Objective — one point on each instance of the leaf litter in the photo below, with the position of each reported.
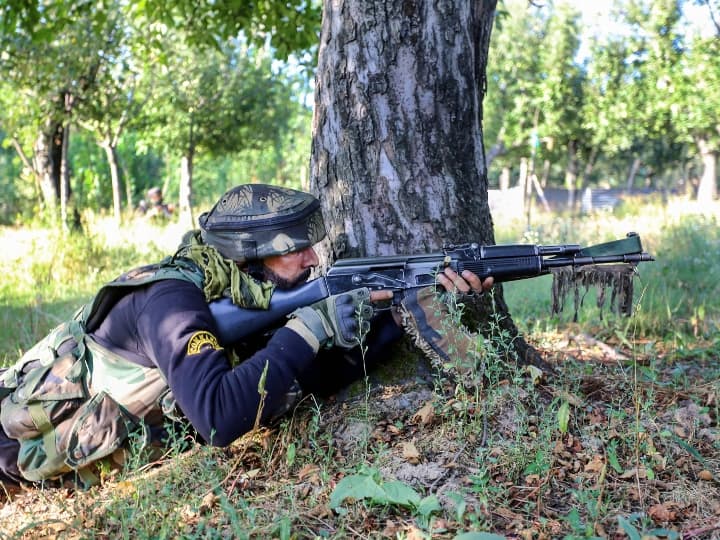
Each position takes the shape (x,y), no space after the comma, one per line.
(640,453)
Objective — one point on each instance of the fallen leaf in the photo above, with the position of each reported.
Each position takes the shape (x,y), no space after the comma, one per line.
(572,399)
(507,514)
(662,513)
(532,479)
(252,473)
(596,464)
(391,529)
(308,470)
(641,472)
(705,475)
(536,374)
(425,415)
(207,503)
(413,533)
(440,525)
(410,452)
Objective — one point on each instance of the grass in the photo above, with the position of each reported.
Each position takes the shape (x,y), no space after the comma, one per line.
(623,441)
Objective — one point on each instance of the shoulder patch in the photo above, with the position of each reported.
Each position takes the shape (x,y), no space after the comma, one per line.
(202,339)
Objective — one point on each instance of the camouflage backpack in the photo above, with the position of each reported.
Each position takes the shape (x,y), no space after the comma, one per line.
(71,402)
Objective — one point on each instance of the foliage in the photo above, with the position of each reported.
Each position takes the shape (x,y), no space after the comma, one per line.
(368,485)
(293,25)
(216,101)
(557,91)
(98,66)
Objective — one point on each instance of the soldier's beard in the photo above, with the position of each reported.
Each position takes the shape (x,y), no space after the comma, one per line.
(259,271)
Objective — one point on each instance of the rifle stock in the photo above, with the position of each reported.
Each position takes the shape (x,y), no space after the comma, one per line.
(398,273)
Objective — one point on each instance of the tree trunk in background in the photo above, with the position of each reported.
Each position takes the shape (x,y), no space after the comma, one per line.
(128,185)
(545,173)
(524,182)
(185,192)
(582,180)
(397,153)
(505,178)
(631,175)
(571,174)
(111,154)
(64,178)
(707,190)
(47,154)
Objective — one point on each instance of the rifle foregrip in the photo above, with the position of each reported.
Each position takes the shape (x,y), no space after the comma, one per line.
(504,269)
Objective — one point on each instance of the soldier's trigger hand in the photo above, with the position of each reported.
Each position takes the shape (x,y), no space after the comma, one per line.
(379,296)
(467,283)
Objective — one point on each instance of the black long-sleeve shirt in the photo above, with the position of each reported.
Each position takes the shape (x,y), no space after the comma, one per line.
(166,324)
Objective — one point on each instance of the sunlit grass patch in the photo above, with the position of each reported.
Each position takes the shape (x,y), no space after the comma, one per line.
(677,297)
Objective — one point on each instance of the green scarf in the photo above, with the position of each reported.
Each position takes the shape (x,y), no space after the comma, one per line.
(223,277)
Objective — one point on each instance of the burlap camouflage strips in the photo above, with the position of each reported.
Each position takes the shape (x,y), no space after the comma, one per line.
(449,346)
(255,221)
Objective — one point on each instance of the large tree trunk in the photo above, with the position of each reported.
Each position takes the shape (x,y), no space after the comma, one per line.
(707,190)
(111,154)
(397,154)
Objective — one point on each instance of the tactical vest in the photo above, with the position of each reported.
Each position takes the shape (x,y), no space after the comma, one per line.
(70,401)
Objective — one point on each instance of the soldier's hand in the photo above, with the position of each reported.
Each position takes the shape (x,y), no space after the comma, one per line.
(467,283)
(339,319)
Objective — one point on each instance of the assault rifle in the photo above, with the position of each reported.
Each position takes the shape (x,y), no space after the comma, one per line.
(399,273)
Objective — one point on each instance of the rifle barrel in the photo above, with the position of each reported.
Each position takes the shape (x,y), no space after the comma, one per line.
(603,259)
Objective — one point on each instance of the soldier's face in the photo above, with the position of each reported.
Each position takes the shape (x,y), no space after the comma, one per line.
(291,269)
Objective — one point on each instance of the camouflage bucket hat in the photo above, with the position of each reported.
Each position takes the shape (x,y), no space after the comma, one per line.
(254,221)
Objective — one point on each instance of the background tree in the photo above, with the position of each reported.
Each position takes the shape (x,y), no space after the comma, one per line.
(54,41)
(512,76)
(214,101)
(695,108)
(44,84)
(560,85)
(397,154)
(124,82)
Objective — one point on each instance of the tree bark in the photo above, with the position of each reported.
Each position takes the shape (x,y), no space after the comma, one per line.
(505,178)
(397,153)
(571,174)
(47,155)
(111,154)
(631,175)
(185,191)
(707,189)
(64,179)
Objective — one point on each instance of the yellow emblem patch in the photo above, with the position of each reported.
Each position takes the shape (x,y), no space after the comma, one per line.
(201,339)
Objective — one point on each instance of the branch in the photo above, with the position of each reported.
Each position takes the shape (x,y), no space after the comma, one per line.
(23,156)
(712,15)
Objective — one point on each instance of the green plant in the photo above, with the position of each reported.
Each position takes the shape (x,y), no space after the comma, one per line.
(638,526)
(368,486)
